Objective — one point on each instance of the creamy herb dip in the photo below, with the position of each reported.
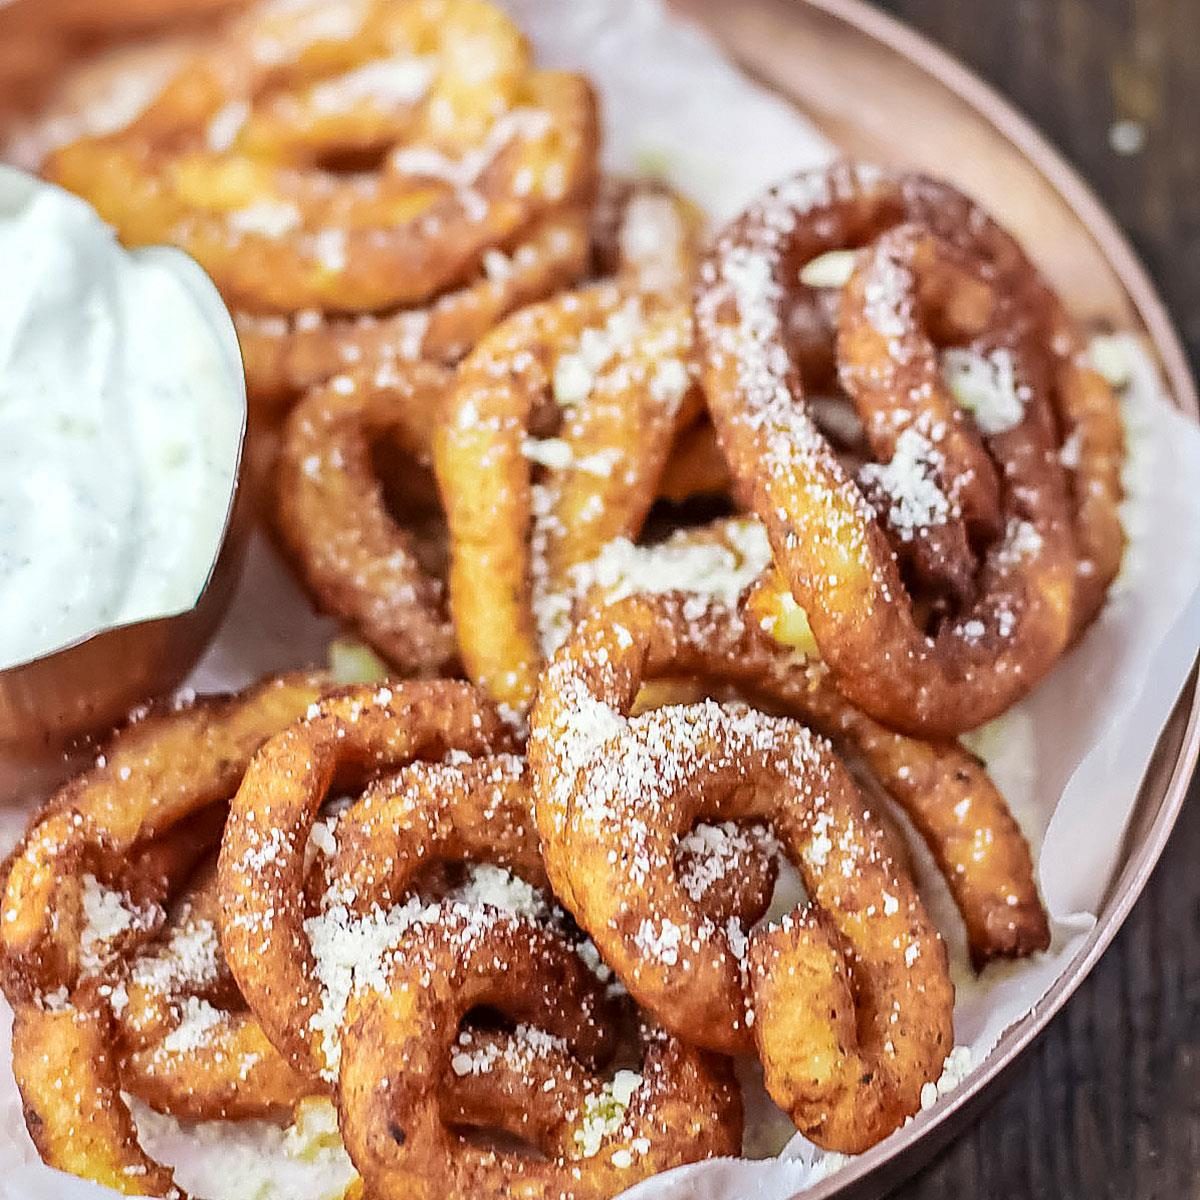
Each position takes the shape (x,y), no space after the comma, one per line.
(122,408)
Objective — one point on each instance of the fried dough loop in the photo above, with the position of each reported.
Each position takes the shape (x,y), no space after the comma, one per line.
(281,918)
(86,889)
(357,560)
(614,794)
(360,562)
(978,506)
(513,540)
(605,372)
(363,179)
(190,1047)
(286,354)
(1092,452)
(262,866)
(369,867)
(407,824)
(597,1139)
(481,811)
(111,825)
(233,154)
(90,1131)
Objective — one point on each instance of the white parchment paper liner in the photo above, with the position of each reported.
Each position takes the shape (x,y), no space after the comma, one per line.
(1070,759)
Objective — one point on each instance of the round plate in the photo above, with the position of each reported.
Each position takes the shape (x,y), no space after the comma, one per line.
(882,92)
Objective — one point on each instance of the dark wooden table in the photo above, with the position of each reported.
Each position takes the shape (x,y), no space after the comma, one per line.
(1107,1104)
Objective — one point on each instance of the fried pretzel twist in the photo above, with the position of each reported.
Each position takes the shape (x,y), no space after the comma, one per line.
(613,794)
(606,372)
(230,1071)
(358,183)
(236,152)
(357,560)
(719,642)
(977,508)
(683,1106)
(121,839)
(286,354)
(351,736)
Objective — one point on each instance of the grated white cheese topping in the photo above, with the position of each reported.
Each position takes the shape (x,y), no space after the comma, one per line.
(351,951)
(829,270)
(715,570)
(575,373)
(387,83)
(553,453)
(1109,356)
(955,1069)
(917,502)
(199,1020)
(226,125)
(500,888)
(57,1001)
(719,851)
(462,173)
(660,943)
(604,1112)
(987,386)
(517,1052)
(192,955)
(268,218)
(106,914)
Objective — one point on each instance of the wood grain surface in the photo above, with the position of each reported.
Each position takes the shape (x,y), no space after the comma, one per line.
(1107,1104)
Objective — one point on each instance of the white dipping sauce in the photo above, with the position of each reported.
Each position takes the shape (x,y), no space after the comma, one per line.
(122,411)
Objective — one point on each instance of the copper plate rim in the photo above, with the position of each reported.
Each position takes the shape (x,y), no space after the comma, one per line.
(1151,310)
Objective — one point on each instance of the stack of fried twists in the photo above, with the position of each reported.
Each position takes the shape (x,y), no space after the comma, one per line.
(730,543)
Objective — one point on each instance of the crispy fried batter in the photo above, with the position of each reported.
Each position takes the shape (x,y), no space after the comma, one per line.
(948,795)
(234,1073)
(934,270)
(482,811)
(287,354)
(513,541)
(164,768)
(734,653)
(237,160)
(1092,451)
(646,236)
(428,813)
(226,1068)
(356,560)
(612,797)
(308,892)
(126,835)
(87,21)
(356,734)
(84,1128)
(684,1106)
